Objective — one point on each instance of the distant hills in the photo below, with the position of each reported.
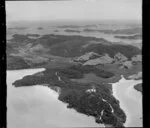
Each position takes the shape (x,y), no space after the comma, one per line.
(136,30)
(48,47)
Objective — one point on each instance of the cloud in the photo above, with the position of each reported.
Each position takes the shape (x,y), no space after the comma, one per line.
(74,10)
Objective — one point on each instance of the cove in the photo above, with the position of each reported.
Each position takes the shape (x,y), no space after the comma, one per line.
(130,101)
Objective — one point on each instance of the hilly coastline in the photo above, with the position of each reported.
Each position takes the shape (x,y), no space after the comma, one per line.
(72,57)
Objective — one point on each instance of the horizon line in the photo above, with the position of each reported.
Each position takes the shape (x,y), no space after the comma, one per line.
(73,20)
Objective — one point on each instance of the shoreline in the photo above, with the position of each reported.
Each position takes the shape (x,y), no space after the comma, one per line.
(122,106)
(127,92)
(69,111)
(68,95)
(41,69)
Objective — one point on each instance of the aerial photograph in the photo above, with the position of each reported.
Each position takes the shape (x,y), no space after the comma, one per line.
(74,63)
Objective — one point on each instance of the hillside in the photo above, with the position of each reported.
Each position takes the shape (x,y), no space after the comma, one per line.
(72,57)
(47,48)
(76,94)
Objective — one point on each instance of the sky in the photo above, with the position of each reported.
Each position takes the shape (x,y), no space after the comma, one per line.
(74,10)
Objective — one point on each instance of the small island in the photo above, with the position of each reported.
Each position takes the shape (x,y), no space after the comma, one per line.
(71,30)
(33,35)
(131,37)
(138,87)
(128,31)
(69,26)
(56,30)
(18,28)
(40,28)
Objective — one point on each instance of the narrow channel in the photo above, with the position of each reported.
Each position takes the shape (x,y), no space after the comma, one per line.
(130,101)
